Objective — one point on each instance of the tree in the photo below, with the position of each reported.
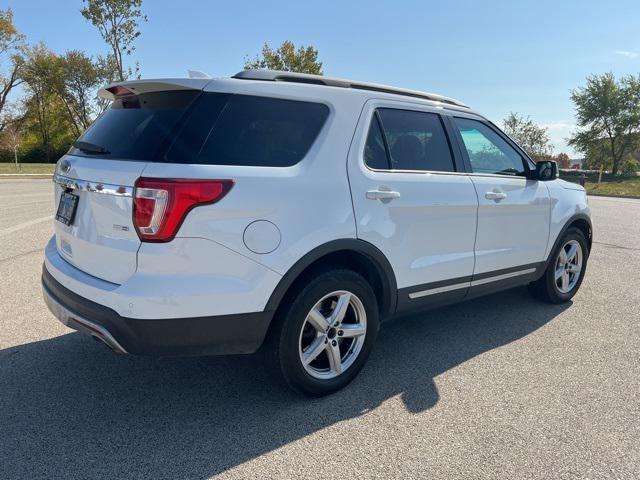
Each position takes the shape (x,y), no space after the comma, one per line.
(532,138)
(11,135)
(607,111)
(42,72)
(118,22)
(563,160)
(11,42)
(79,79)
(287,58)
(107,72)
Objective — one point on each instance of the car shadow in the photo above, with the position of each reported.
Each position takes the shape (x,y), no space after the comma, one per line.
(71,408)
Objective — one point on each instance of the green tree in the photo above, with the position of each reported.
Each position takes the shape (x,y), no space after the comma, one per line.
(11,61)
(287,58)
(532,138)
(80,78)
(607,112)
(42,72)
(118,21)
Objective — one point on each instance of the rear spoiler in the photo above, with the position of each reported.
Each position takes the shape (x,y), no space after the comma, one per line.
(135,87)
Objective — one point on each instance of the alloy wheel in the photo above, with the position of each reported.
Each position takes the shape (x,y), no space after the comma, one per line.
(568,266)
(332,335)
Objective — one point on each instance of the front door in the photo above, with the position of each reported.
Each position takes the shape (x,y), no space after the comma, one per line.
(514,212)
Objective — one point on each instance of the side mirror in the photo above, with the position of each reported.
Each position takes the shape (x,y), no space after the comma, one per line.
(545,170)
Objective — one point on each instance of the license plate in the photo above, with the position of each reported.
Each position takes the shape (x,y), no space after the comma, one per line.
(67,208)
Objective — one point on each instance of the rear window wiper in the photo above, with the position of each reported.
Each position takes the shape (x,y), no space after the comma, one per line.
(88,147)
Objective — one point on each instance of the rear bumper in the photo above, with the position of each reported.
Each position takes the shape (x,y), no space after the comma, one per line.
(217,335)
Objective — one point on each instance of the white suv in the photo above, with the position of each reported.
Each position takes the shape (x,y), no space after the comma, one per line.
(295,213)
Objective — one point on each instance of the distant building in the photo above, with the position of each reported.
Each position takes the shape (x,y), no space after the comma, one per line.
(576,163)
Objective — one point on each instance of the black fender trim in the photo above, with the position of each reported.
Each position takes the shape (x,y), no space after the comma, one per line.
(378,259)
(567,225)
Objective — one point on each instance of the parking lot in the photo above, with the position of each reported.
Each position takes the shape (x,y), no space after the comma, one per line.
(499,387)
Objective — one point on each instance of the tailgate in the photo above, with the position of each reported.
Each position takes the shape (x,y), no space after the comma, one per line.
(97,177)
(101,240)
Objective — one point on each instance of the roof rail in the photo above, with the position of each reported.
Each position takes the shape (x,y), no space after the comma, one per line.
(278,76)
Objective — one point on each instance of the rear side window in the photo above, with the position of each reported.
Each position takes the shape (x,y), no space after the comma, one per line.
(248,130)
(414,141)
(375,155)
(136,127)
(189,126)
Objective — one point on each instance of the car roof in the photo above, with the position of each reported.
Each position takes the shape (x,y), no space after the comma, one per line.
(318,83)
(321,80)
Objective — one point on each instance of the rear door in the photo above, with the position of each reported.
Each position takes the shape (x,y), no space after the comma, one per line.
(412,202)
(513,213)
(94,182)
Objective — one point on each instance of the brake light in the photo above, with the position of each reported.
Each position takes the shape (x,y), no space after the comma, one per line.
(120,91)
(160,205)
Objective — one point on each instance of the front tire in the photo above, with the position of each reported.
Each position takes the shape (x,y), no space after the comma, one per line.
(324,332)
(566,269)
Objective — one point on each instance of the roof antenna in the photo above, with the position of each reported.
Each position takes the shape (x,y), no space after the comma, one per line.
(197,74)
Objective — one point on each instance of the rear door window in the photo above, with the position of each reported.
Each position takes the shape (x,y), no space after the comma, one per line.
(249,131)
(414,141)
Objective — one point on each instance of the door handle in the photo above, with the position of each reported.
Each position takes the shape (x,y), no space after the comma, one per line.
(382,194)
(496,196)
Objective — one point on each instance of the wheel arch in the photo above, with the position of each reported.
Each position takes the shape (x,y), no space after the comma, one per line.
(580,221)
(355,254)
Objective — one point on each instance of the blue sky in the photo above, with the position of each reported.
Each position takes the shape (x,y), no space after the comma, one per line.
(495,56)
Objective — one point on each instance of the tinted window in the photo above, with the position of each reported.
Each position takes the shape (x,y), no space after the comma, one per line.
(488,151)
(416,140)
(248,130)
(375,155)
(137,126)
(196,127)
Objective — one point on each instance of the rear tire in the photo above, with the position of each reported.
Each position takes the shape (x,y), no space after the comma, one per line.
(565,272)
(323,332)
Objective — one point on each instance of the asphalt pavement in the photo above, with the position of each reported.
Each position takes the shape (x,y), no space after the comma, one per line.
(500,387)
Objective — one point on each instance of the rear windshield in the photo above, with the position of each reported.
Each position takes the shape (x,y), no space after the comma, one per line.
(137,126)
(208,128)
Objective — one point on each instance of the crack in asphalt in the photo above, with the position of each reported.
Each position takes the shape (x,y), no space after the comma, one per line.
(24,254)
(618,246)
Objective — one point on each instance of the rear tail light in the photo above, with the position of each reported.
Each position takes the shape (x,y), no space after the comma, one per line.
(160,205)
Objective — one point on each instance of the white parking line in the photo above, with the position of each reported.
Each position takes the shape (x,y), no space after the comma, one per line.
(20,226)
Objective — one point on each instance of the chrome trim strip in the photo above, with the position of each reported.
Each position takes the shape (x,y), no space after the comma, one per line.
(433,291)
(71,320)
(504,276)
(95,187)
(447,288)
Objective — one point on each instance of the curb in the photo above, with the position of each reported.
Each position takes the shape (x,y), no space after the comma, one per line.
(635,197)
(14,176)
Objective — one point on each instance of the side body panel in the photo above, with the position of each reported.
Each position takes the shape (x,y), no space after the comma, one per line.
(297,208)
